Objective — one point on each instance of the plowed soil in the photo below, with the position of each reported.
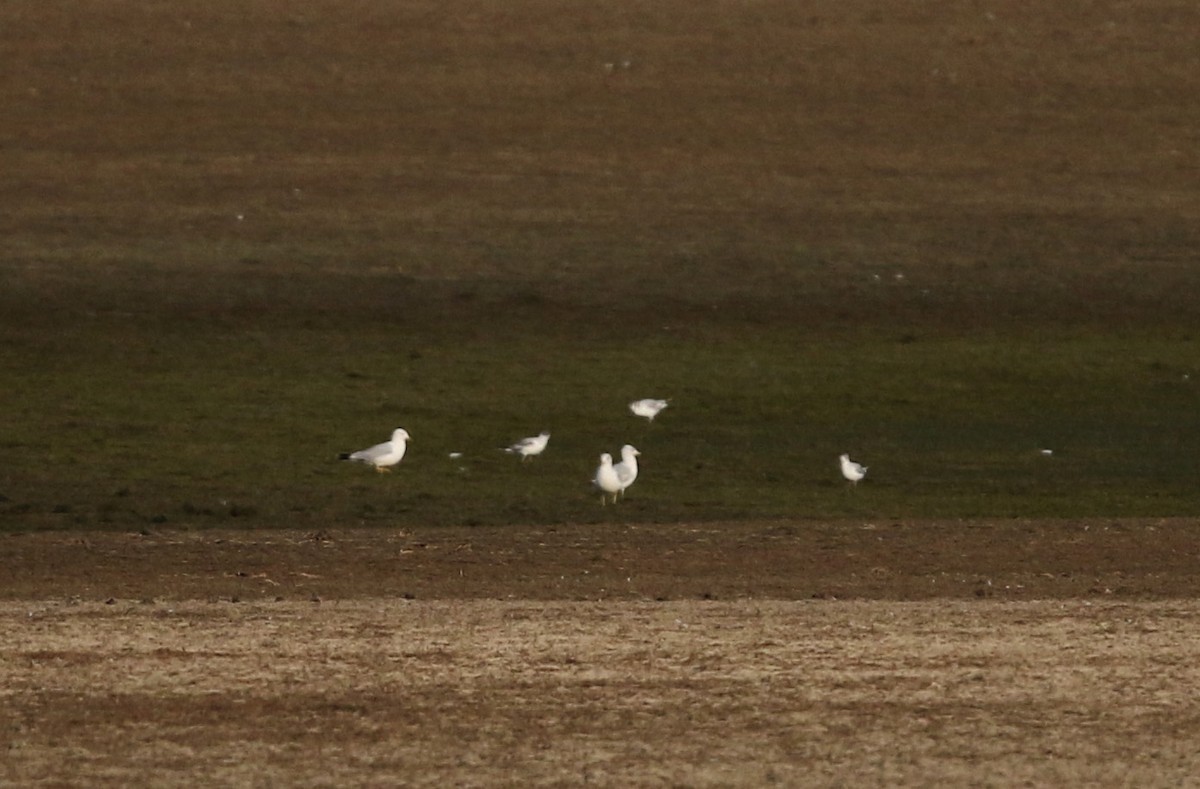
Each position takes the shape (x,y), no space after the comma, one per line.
(739,654)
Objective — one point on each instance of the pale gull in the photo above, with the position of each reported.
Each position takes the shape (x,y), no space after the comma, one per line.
(382,456)
(647,407)
(852,471)
(606,479)
(627,469)
(529,447)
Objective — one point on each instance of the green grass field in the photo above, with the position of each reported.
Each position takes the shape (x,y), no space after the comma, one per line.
(116,425)
(239,243)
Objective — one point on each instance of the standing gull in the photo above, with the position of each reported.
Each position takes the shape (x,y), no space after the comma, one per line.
(647,407)
(627,469)
(606,479)
(851,470)
(529,447)
(382,456)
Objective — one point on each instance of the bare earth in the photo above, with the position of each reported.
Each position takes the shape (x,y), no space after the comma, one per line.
(740,654)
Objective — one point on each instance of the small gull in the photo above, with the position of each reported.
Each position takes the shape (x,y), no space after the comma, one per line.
(627,469)
(382,456)
(529,447)
(851,470)
(606,479)
(647,407)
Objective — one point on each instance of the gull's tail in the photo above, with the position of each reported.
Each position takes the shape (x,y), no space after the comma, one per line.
(343,456)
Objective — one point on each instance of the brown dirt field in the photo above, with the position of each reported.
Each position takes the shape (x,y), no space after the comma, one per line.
(686,693)
(789,560)
(1027,160)
(969,653)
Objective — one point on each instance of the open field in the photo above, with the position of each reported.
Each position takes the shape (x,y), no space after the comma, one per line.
(237,239)
(1031,161)
(470,693)
(1038,653)
(126,429)
(240,240)
(1016,560)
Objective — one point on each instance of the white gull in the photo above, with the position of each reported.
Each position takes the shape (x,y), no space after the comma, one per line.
(606,479)
(382,456)
(852,471)
(647,407)
(627,469)
(529,447)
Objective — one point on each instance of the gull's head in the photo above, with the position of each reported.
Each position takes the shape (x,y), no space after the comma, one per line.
(605,459)
(629,450)
(844,458)
(400,434)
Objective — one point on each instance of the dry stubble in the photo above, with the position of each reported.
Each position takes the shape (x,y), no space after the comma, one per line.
(612,693)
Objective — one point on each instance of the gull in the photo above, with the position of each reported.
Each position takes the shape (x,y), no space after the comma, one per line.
(627,469)
(851,470)
(382,456)
(606,479)
(529,447)
(647,407)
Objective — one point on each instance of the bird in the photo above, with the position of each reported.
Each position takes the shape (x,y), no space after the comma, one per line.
(852,471)
(529,447)
(627,469)
(606,479)
(382,456)
(647,407)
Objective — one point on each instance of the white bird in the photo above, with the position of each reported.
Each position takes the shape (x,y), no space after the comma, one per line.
(606,479)
(851,470)
(627,469)
(647,407)
(382,456)
(529,447)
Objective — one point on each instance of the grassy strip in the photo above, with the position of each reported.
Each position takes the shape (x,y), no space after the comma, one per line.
(204,425)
